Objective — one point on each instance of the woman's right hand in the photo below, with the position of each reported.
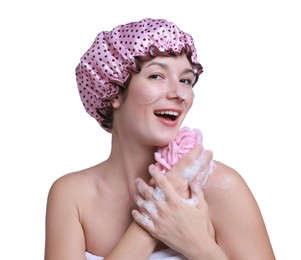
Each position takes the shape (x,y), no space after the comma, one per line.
(199,161)
(164,212)
(185,228)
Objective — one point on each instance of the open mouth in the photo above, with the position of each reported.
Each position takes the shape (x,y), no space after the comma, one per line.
(169,115)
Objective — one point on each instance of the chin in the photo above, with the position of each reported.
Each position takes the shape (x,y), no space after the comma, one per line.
(166,138)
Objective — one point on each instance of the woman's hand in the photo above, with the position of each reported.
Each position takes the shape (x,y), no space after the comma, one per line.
(164,213)
(192,169)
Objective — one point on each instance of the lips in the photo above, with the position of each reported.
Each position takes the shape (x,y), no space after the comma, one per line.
(167,114)
(168,117)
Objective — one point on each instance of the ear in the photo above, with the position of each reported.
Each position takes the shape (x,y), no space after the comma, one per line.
(115,101)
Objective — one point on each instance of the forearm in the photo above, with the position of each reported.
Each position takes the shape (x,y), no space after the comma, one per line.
(210,251)
(136,243)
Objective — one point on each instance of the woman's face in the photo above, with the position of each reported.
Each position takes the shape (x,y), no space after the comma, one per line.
(157,100)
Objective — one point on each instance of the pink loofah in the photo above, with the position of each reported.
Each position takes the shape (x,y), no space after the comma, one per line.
(183,143)
(185,140)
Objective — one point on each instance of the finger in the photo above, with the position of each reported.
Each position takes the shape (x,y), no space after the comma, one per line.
(206,168)
(163,186)
(201,204)
(159,194)
(139,201)
(152,182)
(143,219)
(178,182)
(188,161)
(200,166)
(144,189)
(145,205)
(150,207)
(206,157)
(197,196)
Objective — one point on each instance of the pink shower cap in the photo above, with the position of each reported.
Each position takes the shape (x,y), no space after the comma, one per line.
(111,59)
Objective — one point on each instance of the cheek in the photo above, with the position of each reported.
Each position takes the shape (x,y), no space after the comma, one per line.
(190,98)
(147,97)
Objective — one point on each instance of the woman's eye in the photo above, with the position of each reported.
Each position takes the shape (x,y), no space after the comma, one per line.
(186,81)
(155,76)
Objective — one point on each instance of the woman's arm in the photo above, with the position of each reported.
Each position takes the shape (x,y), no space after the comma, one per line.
(239,226)
(65,237)
(136,243)
(64,234)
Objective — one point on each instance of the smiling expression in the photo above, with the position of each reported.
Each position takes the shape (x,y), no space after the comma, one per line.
(158,99)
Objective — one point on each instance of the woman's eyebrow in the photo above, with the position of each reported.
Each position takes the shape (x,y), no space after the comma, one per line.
(155,63)
(189,71)
(165,66)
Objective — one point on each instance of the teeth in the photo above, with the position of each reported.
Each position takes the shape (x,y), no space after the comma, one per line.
(172,113)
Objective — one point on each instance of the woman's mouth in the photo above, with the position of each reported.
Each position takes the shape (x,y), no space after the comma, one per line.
(167,114)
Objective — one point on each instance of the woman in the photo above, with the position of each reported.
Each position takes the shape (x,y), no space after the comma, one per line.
(136,81)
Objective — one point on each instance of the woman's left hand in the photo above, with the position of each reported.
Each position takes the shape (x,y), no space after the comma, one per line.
(163,213)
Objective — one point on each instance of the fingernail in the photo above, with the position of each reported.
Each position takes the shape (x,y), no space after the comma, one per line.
(151,169)
(137,181)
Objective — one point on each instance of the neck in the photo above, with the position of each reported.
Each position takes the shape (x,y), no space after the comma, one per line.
(127,161)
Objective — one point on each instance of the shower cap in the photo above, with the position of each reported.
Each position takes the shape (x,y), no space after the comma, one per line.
(107,65)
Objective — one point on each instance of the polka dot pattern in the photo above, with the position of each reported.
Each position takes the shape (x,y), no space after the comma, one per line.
(107,62)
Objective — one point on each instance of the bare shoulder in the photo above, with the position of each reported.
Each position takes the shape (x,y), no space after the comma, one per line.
(236,217)
(223,179)
(72,187)
(227,192)
(64,214)
(70,182)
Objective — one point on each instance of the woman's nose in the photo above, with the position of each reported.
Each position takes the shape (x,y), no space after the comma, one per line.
(177,91)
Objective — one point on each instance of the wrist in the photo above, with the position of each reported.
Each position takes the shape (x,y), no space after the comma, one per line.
(144,235)
(208,251)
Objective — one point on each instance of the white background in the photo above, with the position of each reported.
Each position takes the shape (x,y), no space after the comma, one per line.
(247,103)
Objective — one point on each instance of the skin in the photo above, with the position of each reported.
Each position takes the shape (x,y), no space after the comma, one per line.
(95,209)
